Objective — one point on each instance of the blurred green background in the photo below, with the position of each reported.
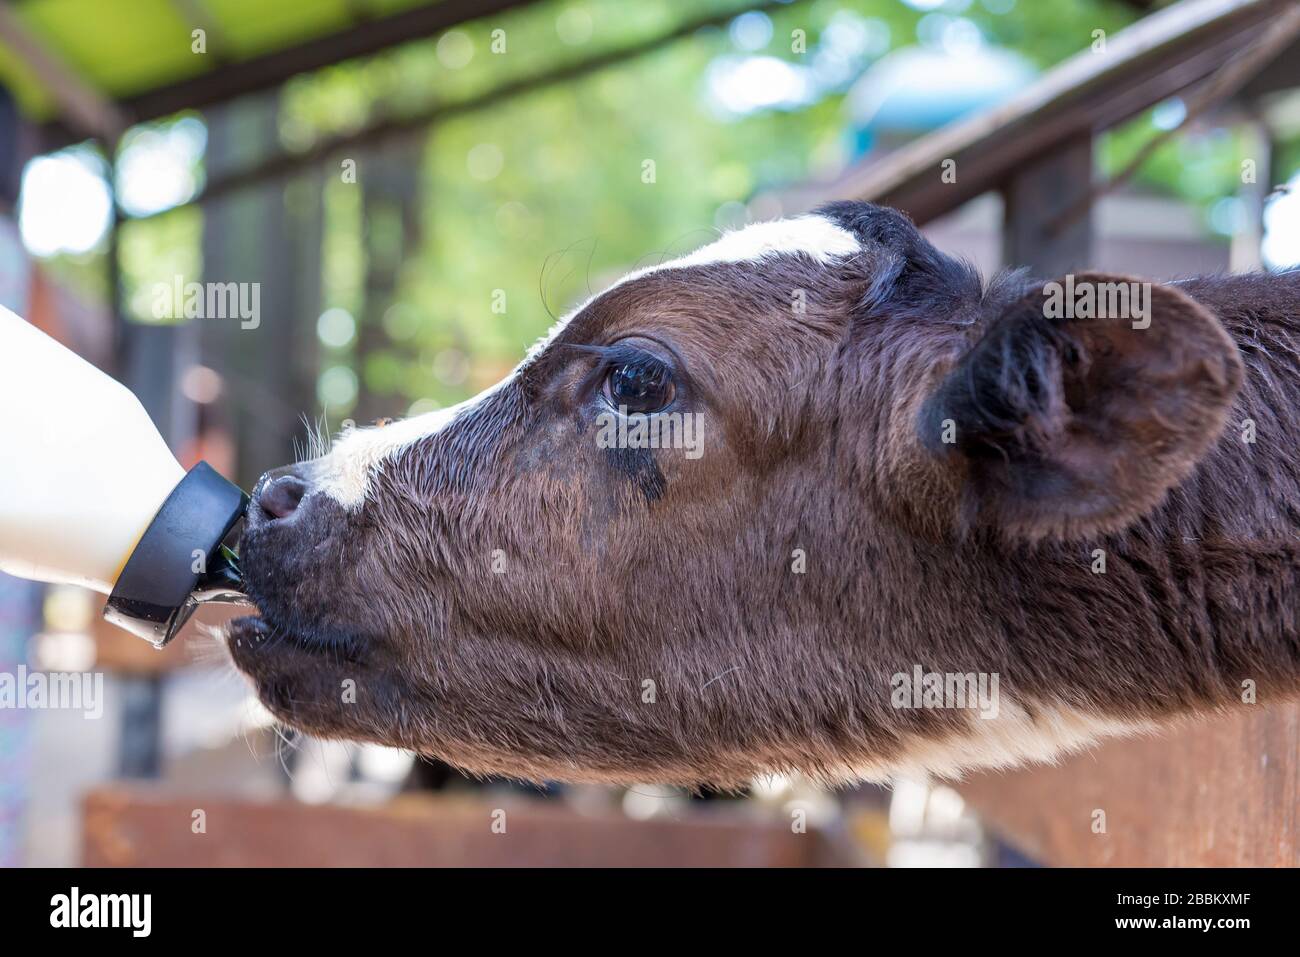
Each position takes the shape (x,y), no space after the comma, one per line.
(502,214)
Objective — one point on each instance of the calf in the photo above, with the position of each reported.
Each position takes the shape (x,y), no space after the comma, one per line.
(921,524)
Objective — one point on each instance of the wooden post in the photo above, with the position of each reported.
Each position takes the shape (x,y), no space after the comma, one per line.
(1035,198)
(255,237)
(390,181)
(1253,194)
(149,827)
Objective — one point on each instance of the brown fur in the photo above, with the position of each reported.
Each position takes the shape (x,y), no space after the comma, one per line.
(821,437)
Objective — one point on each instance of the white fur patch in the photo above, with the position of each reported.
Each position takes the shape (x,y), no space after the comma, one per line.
(344,474)
(1011,739)
(814,236)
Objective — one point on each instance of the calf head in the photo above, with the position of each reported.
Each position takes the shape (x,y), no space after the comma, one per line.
(870,468)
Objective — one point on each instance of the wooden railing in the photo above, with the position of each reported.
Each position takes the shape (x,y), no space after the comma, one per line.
(1218,791)
(135,826)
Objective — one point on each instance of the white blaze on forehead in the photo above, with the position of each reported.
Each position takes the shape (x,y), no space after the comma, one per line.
(344,474)
(814,236)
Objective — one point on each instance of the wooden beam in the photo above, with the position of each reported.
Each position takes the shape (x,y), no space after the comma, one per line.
(1158,57)
(398,127)
(265,72)
(139,826)
(1282,74)
(197,16)
(1226,81)
(80,105)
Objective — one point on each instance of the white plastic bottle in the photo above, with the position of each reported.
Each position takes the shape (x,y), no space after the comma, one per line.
(85,471)
(84,474)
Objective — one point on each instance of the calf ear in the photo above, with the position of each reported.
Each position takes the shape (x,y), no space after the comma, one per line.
(1067,419)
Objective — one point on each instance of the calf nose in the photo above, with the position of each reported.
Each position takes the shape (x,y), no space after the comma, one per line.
(278,497)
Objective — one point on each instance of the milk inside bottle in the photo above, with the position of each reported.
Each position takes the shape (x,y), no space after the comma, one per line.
(90,494)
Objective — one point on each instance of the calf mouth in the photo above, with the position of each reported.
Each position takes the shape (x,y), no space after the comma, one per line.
(289,548)
(300,651)
(274,662)
(303,683)
(276,638)
(268,634)
(259,635)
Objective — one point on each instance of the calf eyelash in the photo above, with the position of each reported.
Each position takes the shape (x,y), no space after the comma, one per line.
(621,353)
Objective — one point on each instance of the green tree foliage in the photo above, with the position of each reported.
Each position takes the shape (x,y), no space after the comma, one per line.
(534,202)
(531,203)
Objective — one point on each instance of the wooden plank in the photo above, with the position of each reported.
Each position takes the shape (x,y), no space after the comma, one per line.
(137,826)
(1219,791)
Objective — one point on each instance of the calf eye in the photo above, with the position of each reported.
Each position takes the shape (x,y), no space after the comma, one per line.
(639,387)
